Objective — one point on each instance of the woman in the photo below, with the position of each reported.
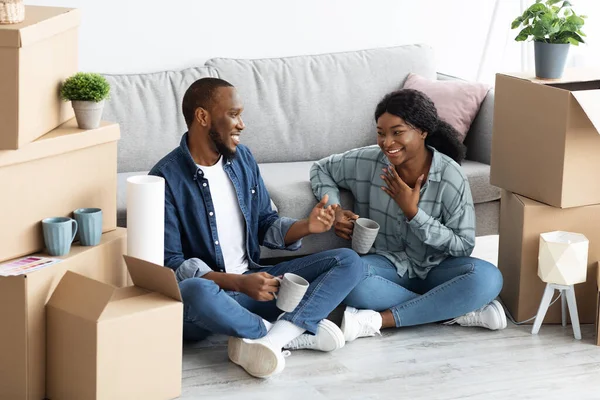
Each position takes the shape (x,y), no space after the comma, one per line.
(419,268)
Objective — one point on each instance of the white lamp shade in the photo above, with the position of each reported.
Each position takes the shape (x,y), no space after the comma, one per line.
(563,258)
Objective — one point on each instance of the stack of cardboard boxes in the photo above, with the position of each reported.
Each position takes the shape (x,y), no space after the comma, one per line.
(48,168)
(545,155)
(66,331)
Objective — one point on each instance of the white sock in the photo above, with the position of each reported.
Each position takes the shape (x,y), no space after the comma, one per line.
(267,324)
(282,333)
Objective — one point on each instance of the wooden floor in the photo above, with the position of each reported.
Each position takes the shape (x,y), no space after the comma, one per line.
(434,362)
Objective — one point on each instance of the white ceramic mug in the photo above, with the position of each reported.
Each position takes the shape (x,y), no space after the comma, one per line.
(292,289)
(364,235)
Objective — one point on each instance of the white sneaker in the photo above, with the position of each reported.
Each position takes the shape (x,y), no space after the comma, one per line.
(360,323)
(491,316)
(328,338)
(258,357)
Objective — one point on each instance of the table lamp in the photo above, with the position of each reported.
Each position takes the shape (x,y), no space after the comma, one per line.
(562,263)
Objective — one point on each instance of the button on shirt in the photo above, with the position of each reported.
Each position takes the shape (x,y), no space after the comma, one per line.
(231,227)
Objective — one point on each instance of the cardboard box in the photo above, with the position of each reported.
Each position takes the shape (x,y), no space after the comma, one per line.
(23,314)
(546,139)
(36,56)
(109,343)
(64,170)
(522,220)
(598,308)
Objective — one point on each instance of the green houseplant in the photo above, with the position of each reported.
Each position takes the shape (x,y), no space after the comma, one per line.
(553,28)
(87,92)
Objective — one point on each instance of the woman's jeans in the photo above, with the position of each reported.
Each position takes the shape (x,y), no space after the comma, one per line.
(209,309)
(455,287)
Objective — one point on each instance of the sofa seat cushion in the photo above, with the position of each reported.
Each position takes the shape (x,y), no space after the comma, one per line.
(479,180)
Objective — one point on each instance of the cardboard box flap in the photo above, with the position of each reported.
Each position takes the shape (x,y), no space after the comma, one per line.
(153,277)
(598,275)
(67,137)
(81,296)
(589,100)
(40,22)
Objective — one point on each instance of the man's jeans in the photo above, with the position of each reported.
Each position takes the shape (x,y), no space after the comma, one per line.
(455,287)
(208,309)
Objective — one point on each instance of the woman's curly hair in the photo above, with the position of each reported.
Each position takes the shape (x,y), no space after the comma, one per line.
(417,110)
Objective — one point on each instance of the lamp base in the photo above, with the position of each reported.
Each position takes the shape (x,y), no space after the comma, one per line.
(567,293)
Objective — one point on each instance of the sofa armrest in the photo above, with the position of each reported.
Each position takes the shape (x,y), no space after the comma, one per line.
(479,137)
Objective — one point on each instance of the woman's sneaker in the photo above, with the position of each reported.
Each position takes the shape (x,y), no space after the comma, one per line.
(490,316)
(360,323)
(258,357)
(328,338)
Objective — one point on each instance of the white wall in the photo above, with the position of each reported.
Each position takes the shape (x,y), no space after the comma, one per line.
(131,36)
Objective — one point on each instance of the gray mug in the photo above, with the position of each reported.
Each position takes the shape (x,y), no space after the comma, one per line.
(90,225)
(59,233)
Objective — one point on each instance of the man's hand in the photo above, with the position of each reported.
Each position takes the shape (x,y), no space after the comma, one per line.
(344,222)
(321,218)
(406,197)
(260,286)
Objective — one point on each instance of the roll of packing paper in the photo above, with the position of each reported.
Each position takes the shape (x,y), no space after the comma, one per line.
(146,218)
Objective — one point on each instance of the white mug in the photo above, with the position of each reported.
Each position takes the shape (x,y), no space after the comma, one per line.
(292,289)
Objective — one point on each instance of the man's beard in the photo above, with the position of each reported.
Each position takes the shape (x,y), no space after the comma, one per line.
(220,145)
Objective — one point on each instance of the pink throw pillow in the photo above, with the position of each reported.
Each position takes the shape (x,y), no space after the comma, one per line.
(457,102)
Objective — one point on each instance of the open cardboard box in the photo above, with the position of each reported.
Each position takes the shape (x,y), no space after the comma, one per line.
(36,55)
(522,220)
(23,313)
(116,343)
(546,139)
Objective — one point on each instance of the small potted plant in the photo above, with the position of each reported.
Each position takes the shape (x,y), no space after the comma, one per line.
(553,28)
(87,92)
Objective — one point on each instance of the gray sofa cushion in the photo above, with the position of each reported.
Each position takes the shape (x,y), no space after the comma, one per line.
(305,108)
(479,180)
(148,110)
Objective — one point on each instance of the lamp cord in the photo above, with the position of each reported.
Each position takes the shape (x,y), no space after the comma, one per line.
(510,317)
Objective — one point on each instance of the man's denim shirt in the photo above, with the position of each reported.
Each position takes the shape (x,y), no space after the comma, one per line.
(192,246)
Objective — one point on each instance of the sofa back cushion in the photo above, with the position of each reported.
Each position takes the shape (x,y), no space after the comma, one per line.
(307,107)
(148,110)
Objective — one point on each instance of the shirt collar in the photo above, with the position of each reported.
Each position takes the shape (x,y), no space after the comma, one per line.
(194,169)
(435,172)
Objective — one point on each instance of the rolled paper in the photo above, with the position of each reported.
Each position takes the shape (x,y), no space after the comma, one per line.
(146,218)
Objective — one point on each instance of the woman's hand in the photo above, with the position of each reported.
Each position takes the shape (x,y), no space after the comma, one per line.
(406,197)
(344,222)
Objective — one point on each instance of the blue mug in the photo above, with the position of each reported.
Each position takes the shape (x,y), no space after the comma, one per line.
(59,233)
(90,225)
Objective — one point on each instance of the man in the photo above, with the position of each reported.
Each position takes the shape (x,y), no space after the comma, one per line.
(217,214)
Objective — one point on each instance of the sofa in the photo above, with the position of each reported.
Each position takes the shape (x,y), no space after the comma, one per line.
(297,110)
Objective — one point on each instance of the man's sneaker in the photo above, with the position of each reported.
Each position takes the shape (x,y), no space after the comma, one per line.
(258,357)
(328,338)
(491,316)
(360,323)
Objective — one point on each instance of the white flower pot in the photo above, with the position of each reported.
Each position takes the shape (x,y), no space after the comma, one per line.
(88,113)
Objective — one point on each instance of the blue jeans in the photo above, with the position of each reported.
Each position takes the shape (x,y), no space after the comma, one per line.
(456,286)
(209,309)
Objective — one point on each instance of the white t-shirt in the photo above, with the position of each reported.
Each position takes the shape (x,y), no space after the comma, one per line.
(231,226)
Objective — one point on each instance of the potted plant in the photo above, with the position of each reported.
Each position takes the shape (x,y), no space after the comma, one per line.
(87,92)
(553,28)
